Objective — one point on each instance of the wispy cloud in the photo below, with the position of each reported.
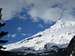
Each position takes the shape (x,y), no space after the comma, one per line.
(10,7)
(45,9)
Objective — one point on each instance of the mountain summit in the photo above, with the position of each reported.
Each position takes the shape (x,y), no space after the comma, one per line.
(59,35)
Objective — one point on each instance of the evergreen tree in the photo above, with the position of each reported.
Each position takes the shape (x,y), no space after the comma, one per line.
(71,47)
(2,33)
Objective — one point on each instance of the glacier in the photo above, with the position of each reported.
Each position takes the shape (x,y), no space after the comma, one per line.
(60,35)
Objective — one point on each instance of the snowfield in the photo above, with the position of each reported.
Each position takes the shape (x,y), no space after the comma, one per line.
(60,35)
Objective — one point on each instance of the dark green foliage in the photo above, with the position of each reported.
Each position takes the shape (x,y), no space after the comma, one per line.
(2,24)
(3,41)
(71,47)
(2,33)
(0,13)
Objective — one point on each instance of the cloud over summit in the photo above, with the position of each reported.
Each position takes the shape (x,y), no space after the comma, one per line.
(45,9)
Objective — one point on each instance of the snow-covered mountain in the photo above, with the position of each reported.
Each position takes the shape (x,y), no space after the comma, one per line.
(58,35)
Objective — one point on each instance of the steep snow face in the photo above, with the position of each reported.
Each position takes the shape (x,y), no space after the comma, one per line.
(59,35)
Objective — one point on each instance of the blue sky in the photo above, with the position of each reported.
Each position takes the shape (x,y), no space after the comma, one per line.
(19,28)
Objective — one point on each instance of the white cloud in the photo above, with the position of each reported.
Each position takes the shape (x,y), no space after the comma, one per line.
(44,10)
(24,34)
(52,14)
(13,35)
(19,28)
(39,8)
(9,7)
(41,25)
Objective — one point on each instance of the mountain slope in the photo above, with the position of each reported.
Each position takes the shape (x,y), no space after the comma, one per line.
(58,35)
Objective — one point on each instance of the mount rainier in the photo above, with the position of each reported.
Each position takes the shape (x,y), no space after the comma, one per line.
(60,35)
